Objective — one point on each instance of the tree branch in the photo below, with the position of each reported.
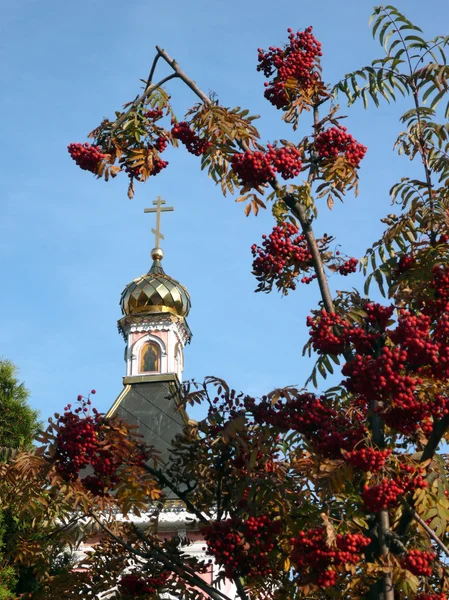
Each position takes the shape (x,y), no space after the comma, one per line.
(163,480)
(152,70)
(296,207)
(170,562)
(430,532)
(180,73)
(439,429)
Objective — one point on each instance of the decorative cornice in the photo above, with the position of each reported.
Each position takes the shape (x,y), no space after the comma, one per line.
(169,519)
(154,322)
(172,521)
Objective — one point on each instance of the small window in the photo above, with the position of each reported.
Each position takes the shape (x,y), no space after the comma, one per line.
(149,359)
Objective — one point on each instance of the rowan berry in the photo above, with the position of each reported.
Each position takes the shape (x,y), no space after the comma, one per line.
(282,257)
(194,144)
(243,547)
(419,562)
(349,266)
(154,115)
(311,553)
(297,61)
(86,156)
(367,459)
(334,142)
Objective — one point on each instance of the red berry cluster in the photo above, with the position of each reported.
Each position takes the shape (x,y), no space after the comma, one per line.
(258,168)
(86,156)
(389,491)
(243,547)
(284,254)
(161,143)
(405,263)
(368,459)
(154,115)
(253,168)
(311,553)
(296,61)
(327,430)
(279,250)
(330,333)
(136,585)
(427,350)
(327,333)
(350,266)
(335,141)
(377,315)
(285,160)
(418,562)
(77,439)
(80,443)
(438,303)
(383,379)
(392,375)
(194,144)
(431,597)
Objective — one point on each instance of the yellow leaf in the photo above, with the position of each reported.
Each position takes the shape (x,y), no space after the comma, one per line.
(331,536)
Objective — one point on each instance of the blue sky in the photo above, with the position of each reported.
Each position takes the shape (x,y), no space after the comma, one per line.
(69,243)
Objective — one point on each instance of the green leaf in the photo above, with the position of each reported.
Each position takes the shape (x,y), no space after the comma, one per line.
(415,38)
(376,24)
(322,370)
(383,34)
(378,277)
(436,100)
(328,365)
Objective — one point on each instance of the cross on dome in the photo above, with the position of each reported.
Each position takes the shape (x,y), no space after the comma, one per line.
(158,210)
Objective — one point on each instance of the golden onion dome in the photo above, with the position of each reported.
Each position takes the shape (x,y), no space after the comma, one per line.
(155,292)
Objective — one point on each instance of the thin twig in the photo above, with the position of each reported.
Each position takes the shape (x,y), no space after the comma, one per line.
(153,68)
(430,532)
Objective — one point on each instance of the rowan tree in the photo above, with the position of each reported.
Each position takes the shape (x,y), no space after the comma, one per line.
(299,494)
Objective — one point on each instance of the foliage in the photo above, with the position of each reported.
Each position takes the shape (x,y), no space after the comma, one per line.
(18,422)
(339,494)
(18,427)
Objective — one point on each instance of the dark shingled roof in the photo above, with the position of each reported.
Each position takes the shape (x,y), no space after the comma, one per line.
(150,403)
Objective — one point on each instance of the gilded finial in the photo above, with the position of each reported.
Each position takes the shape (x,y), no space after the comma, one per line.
(157,254)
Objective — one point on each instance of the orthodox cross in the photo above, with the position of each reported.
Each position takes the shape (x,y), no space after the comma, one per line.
(157,232)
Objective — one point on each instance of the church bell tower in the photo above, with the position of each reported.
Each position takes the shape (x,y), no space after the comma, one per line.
(154,327)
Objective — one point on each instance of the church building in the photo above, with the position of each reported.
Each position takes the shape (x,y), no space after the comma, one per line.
(155,332)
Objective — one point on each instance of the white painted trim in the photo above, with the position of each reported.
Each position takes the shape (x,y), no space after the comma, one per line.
(156,322)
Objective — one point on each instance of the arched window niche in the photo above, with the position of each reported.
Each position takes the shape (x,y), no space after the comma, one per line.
(179,366)
(150,358)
